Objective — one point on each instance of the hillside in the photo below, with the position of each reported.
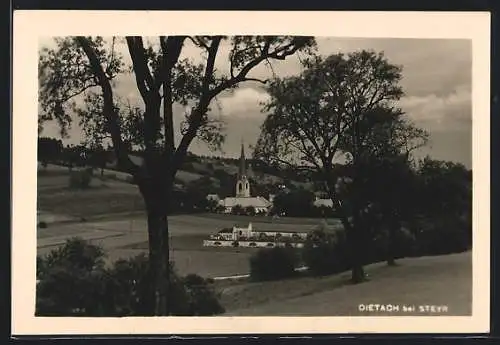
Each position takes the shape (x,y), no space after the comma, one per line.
(418,282)
(221,172)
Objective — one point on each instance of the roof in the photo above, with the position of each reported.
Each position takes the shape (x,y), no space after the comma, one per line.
(323,202)
(245,202)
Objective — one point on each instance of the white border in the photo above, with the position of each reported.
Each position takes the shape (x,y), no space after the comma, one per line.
(30,25)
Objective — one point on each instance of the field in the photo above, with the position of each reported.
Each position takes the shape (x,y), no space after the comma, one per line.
(111,213)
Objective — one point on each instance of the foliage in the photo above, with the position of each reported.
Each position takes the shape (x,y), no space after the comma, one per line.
(443,235)
(49,150)
(74,282)
(70,280)
(98,157)
(273,263)
(238,210)
(444,207)
(326,252)
(74,156)
(197,191)
(386,246)
(250,210)
(311,116)
(202,299)
(297,203)
(341,107)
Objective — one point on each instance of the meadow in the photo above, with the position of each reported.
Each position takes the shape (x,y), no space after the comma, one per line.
(111,213)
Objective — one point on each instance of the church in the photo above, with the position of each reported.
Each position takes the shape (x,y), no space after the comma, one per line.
(243,196)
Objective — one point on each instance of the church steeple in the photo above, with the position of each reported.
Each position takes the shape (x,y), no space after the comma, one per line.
(242,184)
(242,171)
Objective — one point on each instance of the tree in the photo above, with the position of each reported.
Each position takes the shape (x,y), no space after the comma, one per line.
(88,66)
(74,281)
(98,157)
(323,117)
(250,210)
(444,207)
(386,177)
(49,150)
(296,203)
(238,210)
(197,191)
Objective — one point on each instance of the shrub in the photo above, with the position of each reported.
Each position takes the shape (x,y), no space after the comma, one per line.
(250,211)
(202,299)
(326,253)
(42,225)
(383,247)
(74,282)
(70,279)
(236,244)
(80,179)
(443,236)
(273,264)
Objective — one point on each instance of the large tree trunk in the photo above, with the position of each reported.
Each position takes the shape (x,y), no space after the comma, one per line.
(394,227)
(159,255)
(353,239)
(159,258)
(357,240)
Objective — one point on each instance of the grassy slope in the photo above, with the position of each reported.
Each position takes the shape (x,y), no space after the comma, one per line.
(440,280)
(111,194)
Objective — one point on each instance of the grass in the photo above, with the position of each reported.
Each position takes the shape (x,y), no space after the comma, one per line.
(103,197)
(111,195)
(243,294)
(440,280)
(268,219)
(87,203)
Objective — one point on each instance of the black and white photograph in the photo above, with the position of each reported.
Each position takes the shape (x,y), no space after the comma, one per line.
(266,174)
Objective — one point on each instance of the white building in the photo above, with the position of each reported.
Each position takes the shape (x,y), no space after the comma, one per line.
(320,202)
(237,233)
(243,196)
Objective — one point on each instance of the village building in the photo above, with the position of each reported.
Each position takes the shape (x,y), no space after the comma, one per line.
(243,195)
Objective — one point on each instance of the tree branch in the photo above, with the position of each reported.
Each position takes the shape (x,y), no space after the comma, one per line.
(109,111)
(171,50)
(196,117)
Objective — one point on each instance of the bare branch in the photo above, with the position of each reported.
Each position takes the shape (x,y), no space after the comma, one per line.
(197,114)
(110,113)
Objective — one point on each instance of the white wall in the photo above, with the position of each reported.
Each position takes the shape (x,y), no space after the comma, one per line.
(246,244)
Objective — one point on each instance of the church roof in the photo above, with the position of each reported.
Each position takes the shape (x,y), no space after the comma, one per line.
(245,202)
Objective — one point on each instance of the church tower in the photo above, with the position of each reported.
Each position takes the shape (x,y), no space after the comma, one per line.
(242,184)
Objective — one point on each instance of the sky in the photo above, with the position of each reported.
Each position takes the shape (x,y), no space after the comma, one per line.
(437,81)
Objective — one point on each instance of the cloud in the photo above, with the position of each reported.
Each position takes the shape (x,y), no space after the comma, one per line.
(242,103)
(430,66)
(441,111)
